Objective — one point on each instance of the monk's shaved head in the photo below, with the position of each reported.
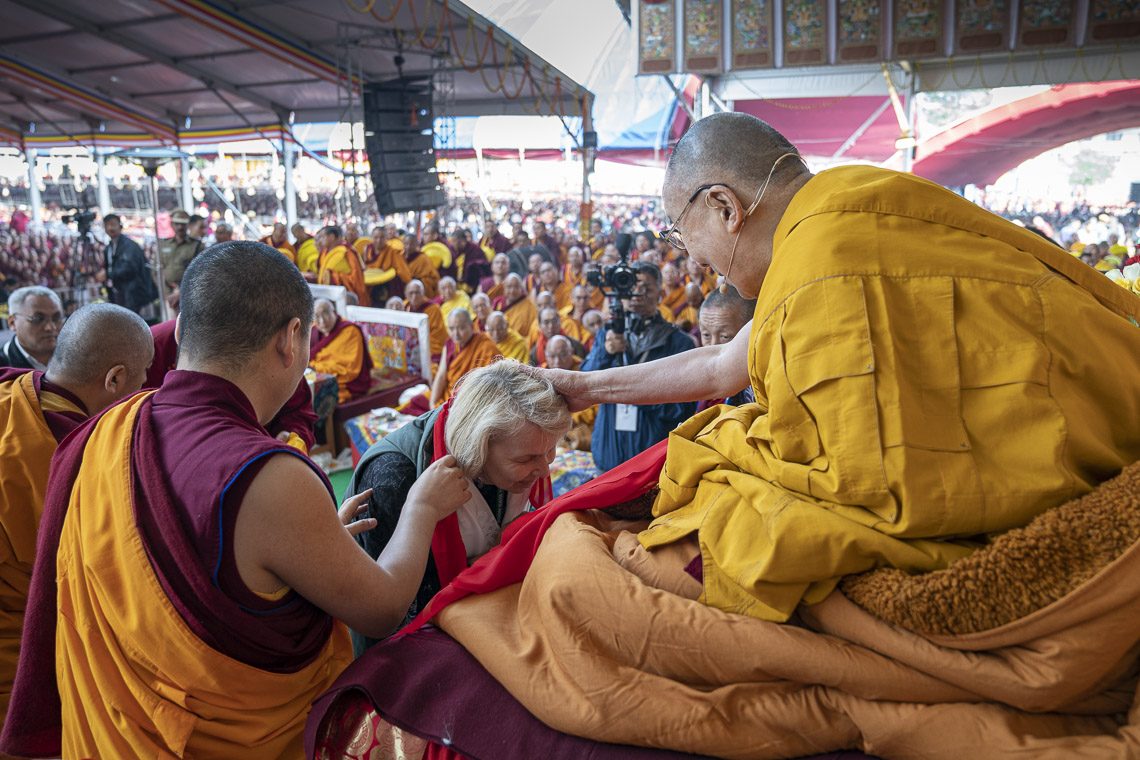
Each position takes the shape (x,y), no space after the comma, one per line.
(732,149)
(235,297)
(102,355)
(732,302)
(97,337)
(458,317)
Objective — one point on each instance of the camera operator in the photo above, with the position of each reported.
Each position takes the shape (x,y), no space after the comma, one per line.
(625,430)
(130,281)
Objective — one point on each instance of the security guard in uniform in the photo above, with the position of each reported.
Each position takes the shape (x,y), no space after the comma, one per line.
(177,252)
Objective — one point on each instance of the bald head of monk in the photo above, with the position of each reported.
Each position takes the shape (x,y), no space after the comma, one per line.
(481,305)
(459,327)
(497,326)
(560,353)
(324,315)
(102,355)
(723,315)
(727,185)
(246,316)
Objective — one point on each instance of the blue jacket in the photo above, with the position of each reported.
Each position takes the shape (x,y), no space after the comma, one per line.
(610,446)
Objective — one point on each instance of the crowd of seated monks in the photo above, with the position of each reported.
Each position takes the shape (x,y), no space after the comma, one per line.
(895,511)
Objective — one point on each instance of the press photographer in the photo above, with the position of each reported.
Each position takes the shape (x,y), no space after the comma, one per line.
(636,333)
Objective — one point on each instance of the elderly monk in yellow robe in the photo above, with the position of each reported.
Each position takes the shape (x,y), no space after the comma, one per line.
(416,300)
(452,298)
(510,344)
(279,239)
(384,252)
(465,350)
(338,347)
(520,311)
(672,291)
(925,372)
(493,285)
(695,272)
(101,355)
(421,266)
(480,310)
(192,571)
(308,255)
(573,316)
(560,355)
(340,265)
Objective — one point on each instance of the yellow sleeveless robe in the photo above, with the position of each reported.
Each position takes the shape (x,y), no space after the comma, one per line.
(28,444)
(134,680)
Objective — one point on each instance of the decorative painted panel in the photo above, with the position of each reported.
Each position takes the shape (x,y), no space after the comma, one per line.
(657,39)
(1046,22)
(751,34)
(704,36)
(918,26)
(805,32)
(983,26)
(861,30)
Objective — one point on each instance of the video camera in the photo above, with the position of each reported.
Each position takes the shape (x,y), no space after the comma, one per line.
(617,282)
(82,219)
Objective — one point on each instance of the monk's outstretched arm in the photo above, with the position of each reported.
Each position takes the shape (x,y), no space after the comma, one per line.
(288,534)
(704,373)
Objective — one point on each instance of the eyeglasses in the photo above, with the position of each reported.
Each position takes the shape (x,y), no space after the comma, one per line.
(671,233)
(38,319)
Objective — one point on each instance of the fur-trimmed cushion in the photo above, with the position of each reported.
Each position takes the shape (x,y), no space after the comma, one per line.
(1021,572)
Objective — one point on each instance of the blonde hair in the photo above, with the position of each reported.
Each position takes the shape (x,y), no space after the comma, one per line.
(495,402)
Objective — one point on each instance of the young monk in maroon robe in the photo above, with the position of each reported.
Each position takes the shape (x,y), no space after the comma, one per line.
(192,570)
(293,424)
(100,356)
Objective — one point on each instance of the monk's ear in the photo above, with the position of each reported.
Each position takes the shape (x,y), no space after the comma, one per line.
(115,379)
(178,329)
(288,339)
(726,206)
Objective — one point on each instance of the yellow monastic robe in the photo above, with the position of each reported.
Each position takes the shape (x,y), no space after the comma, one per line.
(522,316)
(308,256)
(121,643)
(672,301)
(437,328)
(688,318)
(439,254)
(924,372)
(341,266)
(344,358)
(360,245)
(461,301)
(575,330)
(423,269)
(514,347)
(480,351)
(26,448)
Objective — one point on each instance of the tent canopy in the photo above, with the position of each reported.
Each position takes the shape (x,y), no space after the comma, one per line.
(121,72)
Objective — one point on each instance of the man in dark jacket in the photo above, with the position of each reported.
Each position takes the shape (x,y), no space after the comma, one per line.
(129,278)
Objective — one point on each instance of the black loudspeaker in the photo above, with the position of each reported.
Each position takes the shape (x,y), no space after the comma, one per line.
(399,137)
(1134,196)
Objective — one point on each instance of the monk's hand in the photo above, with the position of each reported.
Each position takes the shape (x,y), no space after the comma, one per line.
(441,489)
(572,385)
(352,508)
(283,436)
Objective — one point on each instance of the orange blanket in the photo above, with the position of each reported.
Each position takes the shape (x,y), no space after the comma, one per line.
(601,628)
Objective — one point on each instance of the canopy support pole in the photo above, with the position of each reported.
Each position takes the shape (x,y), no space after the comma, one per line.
(184,178)
(288,158)
(102,192)
(34,199)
